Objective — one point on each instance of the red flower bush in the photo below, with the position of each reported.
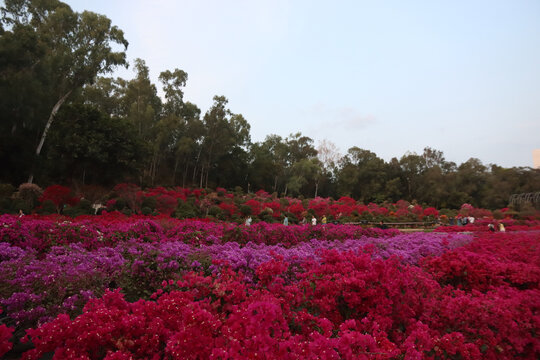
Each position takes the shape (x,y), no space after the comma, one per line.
(255,206)
(296,209)
(5,337)
(59,196)
(319,206)
(492,260)
(229,209)
(431,211)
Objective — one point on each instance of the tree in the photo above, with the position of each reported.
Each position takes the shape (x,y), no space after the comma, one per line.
(362,175)
(412,166)
(329,156)
(268,164)
(471,179)
(302,172)
(88,146)
(226,139)
(104,94)
(79,48)
(173,82)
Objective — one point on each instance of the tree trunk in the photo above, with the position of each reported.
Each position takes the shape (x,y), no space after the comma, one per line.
(195,166)
(206,180)
(174,171)
(55,109)
(202,175)
(184,175)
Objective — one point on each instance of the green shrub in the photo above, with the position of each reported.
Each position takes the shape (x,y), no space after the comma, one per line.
(149,202)
(6,190)
(185,210)
(214,211)
(120,204)
(29,194)
(46,208)
(245,210)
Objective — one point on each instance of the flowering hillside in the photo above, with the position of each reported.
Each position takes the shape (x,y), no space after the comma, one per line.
(113,287)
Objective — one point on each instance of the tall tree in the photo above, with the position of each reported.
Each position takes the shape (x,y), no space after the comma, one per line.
(226,139)
(412,167)
(363,175)
(77,48)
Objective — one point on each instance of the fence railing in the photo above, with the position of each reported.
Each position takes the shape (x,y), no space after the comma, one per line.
(397,225)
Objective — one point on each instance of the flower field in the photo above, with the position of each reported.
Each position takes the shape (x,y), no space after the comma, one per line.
(105,287)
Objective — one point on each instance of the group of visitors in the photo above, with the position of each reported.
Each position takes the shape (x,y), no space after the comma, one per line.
(249,220)
(462,220)
(491,227)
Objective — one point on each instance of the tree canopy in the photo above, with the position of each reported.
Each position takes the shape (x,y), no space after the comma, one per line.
(64,120)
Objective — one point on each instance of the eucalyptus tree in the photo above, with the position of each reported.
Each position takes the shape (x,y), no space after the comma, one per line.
(225,142)
(329,156)
(76,48)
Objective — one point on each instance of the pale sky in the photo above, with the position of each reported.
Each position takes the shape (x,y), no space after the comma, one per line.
(462,77)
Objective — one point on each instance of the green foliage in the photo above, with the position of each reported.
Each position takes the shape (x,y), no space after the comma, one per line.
(92,147)
(84,207)
(214,211)
(245,210)
(67,50)
(266,215)
(149,202)
(120,204)
(106,131)
(47,208)
(185,210)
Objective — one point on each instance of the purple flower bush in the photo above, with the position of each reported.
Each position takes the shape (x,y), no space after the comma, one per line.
(410,248)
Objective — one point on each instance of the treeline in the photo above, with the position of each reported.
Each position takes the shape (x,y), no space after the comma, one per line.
(62,120)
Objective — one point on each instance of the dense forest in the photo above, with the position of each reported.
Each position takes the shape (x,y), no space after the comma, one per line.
(63,120)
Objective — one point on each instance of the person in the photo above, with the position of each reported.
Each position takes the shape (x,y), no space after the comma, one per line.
(21,213)
(491,227)
(248,221)
(501,227)
(314,221)
(304,221)
(382,225)
(323,220)
(286,221)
